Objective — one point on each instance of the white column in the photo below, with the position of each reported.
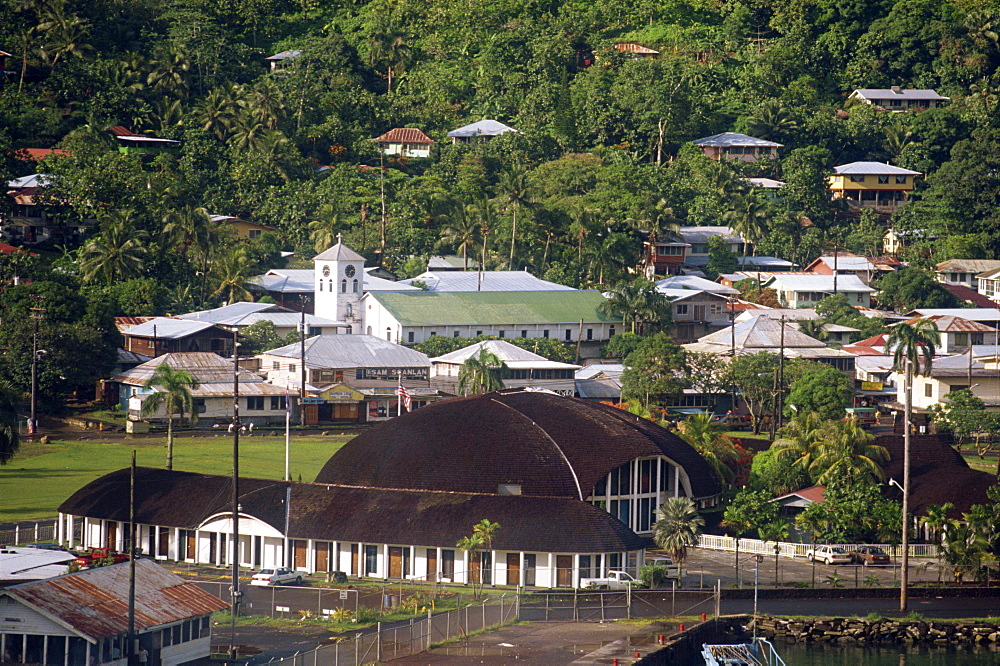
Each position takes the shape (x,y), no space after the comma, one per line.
(178,546)
(335,556)
(551,570)
(310,555)
(520,578)
(385,560)
(466,575)
(437,566)
(576,570)
(677,481)
(60,529)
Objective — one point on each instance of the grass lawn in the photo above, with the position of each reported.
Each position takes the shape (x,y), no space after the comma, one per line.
(41,477)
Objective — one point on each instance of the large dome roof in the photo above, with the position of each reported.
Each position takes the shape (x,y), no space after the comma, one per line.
(547,444)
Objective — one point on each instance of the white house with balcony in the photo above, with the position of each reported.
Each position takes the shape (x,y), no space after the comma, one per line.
(804,291)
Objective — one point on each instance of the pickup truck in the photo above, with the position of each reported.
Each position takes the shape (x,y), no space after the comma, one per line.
(100,556)
(673,571)
(616,580)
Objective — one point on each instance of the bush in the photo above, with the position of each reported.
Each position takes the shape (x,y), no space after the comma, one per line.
(652,576)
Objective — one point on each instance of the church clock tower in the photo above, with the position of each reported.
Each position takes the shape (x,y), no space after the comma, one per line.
(339,275)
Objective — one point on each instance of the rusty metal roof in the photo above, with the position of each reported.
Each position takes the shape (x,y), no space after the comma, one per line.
(204,367)
(953,324)
(94,603)
(125,323)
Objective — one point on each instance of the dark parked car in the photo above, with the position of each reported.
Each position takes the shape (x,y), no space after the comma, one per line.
(869,555)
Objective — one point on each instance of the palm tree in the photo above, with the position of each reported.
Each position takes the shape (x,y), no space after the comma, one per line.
(389,49)
(166,113)
(168,73)
(707,438)
(897,138)
(472,544)
(64,32)
(217,113)
(774,531)
(964,548)
(677,527)
(187,227)
(846,453)
(814,328)
(912,344)
(938,523)
(230,274)
(639,304)
(461,234)
(485,530)
(514,191)
(323,230)
(9,436)
(799,440)
(118,253)
(747,217)
(266,102)
(771,121)
(481,374)
(171,390)
(248,132)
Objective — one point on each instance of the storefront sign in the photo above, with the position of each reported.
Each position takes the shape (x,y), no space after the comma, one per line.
(871,386)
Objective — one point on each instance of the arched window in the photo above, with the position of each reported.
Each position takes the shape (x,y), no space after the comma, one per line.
(343,286)
(355,286)
(388,334)
(369,330)
(632,491)
(321,285)
(350,309)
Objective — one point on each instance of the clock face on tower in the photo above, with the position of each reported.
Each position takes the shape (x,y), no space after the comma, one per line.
(326,271)
(349,271)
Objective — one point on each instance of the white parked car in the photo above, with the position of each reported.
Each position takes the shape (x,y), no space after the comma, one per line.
(278,576)
(828,555)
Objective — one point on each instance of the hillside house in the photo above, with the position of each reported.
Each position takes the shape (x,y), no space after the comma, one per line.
(168,335)
(895,98)
(965,272)
(479,131)
(242,228)
(873,185)
(739,147)
(988,283)
(130,143)
(282,61)
(805,290)
(636,50)
(956,333)
(242,314)
(32,218)
(405,142)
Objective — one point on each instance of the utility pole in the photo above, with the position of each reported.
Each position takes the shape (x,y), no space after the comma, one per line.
(834,269)
(302,369)
(236,594)
(36,316)
(130,647)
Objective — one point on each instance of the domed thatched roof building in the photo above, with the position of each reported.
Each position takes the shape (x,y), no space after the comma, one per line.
(573,486)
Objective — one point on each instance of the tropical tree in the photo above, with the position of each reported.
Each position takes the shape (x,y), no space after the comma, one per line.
(653,371)
(461,233)
(846,453)
(187,227)
(964,548)
(749,510)
(937,523)
(388,48)
(481,539)
(913,346)
(117,254)
(63,32)
(776,531)
(217,113)
(798,441)
(482,373)
(639,305)
(771,121)
(323,230)
(748,217)
(172,391)
(168,73)
(707,438)
(677,527)
(514,190)
(230,274)
(9,436)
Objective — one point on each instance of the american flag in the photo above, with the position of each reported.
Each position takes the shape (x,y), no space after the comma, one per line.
(404,396)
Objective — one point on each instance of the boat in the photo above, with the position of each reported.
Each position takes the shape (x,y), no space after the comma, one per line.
(759,652)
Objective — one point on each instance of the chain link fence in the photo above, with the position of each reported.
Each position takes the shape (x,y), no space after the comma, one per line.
(28,532)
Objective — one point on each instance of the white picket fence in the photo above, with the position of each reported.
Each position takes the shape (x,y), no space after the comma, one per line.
(785,549)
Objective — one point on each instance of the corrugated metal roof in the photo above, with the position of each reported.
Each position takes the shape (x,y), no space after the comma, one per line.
(847,263)
(488,308)
(32,563)
(353,351)
(450,262)
(900,93)
(284,55)
(204,367)
(873,168)
(515,357)
(952,324)
(702,234)
(95,602)
(735,139)
(695,283)
(766,183)
(989,316)
(165,328)
(339,252)
(821,283)
(405,135)
(967,265)
(760,333)
(245,314)
(34,180)
(489,281)
(125,323)
(482,128)
(790,314)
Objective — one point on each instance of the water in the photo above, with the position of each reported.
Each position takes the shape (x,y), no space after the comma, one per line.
(801,654)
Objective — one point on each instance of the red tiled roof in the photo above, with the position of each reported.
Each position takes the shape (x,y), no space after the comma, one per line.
(967,295)
(405,135)
(119,130)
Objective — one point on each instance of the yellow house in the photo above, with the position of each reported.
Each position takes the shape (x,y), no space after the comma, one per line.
(873,185)
(242,228)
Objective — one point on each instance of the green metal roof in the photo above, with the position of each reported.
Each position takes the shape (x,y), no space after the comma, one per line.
(420,308)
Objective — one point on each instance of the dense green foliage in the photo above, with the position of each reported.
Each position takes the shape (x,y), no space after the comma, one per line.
(817,387)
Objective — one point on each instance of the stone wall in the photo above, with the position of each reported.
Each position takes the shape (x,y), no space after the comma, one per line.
(857,631)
